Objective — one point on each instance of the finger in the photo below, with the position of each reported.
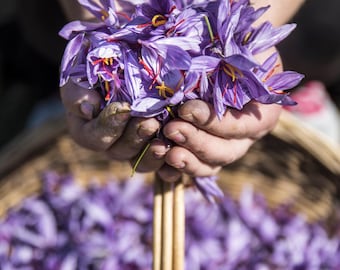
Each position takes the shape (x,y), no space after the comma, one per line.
(84,103)
(209,148)
(137,134)
(254,121)
(186,162)
(153,159)
(100,133)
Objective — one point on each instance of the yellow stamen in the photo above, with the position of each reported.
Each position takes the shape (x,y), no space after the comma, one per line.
(163,90)
(108,61)
(105,14)
(231,71)
(107,86)
(246,38)
(158,20)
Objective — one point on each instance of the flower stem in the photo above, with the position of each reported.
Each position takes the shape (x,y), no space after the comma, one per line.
(139,159)
(211,34)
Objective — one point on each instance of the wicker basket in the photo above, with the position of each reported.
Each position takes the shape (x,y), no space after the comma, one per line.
(292,164)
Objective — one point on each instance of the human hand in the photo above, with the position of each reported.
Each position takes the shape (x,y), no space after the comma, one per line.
(111,131)
(204,143)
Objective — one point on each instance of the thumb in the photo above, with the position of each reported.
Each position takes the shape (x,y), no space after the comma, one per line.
(84,103)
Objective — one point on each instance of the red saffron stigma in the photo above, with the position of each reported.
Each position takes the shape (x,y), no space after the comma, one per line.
(124,15)
(146,67)
(270,73)
(172,9)
(144,25)
(235,94)
(172,28)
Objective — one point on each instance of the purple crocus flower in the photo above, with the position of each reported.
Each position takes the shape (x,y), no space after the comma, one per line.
(163,65)
(163,20)
(105,63)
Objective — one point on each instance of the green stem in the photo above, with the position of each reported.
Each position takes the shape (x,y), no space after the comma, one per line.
(139,159)
(211,34)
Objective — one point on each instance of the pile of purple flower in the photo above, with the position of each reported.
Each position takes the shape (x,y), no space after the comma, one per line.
(170,51)
(108,227)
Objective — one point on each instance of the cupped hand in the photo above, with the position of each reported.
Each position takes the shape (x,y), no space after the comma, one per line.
(112,130)
(205,143)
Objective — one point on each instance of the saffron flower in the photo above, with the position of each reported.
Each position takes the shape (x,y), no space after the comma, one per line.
(167,52)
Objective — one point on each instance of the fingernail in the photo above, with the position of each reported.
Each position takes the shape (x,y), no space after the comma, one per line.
(87,109)
(188,117)
(179,165)
(117,119)
(177,137)
(144,132)
(159,155)
(192,116)
(122,117)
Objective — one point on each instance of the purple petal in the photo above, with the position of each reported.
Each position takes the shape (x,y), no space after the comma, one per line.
(284,80)
(206,63)
(71,51)
(75,27)
(267,36)
(208,187)
(147,107)
(241,62)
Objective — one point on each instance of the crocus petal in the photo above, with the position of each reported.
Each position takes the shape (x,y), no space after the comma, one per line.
(241,62)
(248,17)
(104,12)
(282,99)
(267,65)
(75,27)
(147,107)
(184,43)
(71,51)
(133,79)
(176,98)
(209,188)
(284,80)
(176,57)
(207,63)
(218,98)
(173,56)
(267,36)
(223,19)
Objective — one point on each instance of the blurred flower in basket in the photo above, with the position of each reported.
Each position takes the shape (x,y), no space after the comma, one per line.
(109,226)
